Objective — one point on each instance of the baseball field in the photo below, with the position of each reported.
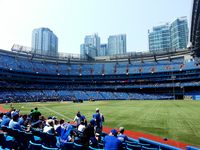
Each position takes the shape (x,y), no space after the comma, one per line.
(177,120)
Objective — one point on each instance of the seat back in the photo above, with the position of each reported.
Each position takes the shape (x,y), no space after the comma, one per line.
(50,140)
(92,148)
(79,147)
(67,146)
(4,128)
(49,148)
(34,146)
(135,147)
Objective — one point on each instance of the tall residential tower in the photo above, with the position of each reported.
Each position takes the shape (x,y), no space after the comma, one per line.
(117,44)
(44,41)
(179,33)
(169,36)
(91,46)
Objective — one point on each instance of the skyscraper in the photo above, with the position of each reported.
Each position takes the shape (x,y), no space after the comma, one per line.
(44,41)
(169,36)
(91,46)
(117,44)
(159,38)
(103,50)
(179,33)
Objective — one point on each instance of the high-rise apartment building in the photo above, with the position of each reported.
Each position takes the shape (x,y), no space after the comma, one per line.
(44,41)
(91,46)
(103,50)
(159,38)
(117,44)
(179,33)
(169,36)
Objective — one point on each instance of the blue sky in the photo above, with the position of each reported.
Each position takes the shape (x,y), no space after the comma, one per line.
(71,20)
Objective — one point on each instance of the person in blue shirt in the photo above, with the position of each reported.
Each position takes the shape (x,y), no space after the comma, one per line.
(121,136)
(99,119)
(84,120)
(22,120)
(65,133)
(111,142)
(6,119)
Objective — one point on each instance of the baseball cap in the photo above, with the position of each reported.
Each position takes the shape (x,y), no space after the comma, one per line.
(114,132)
(92,122)
(121,129)
(97,109)
(15,114)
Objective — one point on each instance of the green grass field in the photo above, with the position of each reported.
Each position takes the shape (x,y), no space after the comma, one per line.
(178,120)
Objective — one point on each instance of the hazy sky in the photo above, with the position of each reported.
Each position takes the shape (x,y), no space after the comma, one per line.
(71,20)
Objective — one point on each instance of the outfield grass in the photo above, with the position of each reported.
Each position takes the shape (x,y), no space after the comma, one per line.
(178,120)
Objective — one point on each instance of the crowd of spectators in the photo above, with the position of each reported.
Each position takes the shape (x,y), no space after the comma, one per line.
(81,131)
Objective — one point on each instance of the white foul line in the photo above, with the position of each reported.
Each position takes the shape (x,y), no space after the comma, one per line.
(57,113)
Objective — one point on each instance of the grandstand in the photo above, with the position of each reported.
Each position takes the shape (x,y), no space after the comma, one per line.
(26,76)
(171,75)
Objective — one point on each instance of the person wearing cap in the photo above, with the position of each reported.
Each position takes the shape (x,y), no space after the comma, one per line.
(99,119)
(14,122)
(121,136)
(77,119)
(88,133)
(111,142)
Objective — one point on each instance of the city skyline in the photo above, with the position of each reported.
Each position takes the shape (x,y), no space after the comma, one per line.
(71,20)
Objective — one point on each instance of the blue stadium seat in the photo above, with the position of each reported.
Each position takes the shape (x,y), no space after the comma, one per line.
(135,147)
(149,148)
(92,148)
(67,146)
(79,147)
(50,140)
(34,146)
(49,148)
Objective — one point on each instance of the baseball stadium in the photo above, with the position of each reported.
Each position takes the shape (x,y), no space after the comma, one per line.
(153,96)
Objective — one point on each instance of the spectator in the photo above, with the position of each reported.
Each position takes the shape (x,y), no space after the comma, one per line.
(56,124)
(1,116)
(111,142)
(88,133)
(22,119)
(49,128)
(38,125)
(58,129)
(6,119)
(99,119)
(35,115)
(81,127)
(83,118)
(14,122)
(65,133)
(77,118)
(121,136)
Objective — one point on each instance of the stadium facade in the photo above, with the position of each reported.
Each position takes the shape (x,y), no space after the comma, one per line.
(25,75)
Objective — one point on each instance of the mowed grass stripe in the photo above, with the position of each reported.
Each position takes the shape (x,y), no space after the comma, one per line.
(179,120)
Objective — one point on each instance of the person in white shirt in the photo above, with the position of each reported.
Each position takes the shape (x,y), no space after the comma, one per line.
(81,127)
(77,118)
